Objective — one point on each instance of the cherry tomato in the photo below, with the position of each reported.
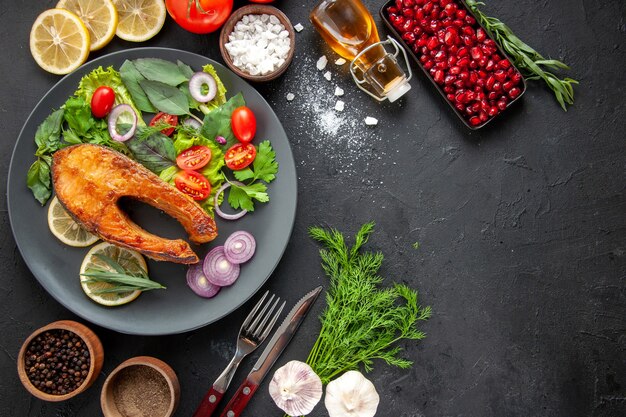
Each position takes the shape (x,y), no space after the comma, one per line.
(243,124)
(102,101)
(170,119)
(194,184)
(194,158)
(199,16)
(240,156)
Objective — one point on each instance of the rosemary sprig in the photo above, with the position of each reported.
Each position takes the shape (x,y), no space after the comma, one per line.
(530,62)
(362,321)
(121,280)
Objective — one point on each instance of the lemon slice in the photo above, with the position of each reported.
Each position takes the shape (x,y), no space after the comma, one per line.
(59,41)
(139,20)
(132,262)
(65,228)
(99,16)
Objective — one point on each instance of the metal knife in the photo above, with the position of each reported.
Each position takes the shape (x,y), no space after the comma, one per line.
(272,351)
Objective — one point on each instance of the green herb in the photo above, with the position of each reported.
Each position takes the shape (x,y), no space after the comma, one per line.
(362,321)
(184,69)
(152,149)
(530,62)
(166,98)
(264,166)
(217,122)
(160,70)
(241,196)
(121,279)
(48,135)
(131,77)
(38,179)
(416,245)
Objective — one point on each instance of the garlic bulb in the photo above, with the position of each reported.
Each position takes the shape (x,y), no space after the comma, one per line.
(296,388)
(351,395)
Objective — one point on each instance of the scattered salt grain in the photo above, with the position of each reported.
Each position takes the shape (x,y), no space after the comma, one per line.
(290,96)
(321,63)
(258,44)
(371,121)
(327,75)
(298,27)
(340,61)
(338,91)
(340,105)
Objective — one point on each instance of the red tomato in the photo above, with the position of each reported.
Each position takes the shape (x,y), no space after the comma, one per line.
(240,156)
(262,1)
(194,158)
(102,101)
(194,184)
(199,16)
(170,119)
(243,124)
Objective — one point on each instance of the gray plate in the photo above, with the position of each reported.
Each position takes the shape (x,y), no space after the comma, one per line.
(176,309)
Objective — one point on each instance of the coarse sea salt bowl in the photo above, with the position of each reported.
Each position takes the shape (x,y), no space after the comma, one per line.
(258,10)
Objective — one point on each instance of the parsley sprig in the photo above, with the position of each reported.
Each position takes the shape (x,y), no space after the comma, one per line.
(362,321)
(254,179)
(530,62)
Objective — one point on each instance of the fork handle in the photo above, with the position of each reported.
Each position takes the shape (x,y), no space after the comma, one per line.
(239,401)
(209,403)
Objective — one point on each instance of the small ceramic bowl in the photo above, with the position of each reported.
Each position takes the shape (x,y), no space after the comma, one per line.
(96,355)
(107,396)
(256,9)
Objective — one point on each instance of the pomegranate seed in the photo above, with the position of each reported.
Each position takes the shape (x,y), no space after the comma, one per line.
(493,111)
(489,83)
(464,76)
(463,62)
(424,24)
(450,38)
(460,107)
(475,107)
(474,121)
(423,58)
(450,9)
(434,25)
(451,60)
(429,64)
(470,95)
(514,92)
(408,25)
(408,12)
(480,83)
(467,40)
(473,78)
(467,30)
(516,78)
(418,31)
(449,79)
(489,66)
(473,65)
(433,52)
(510,72)
(501,105)
(457,22)
(442,65)
(500,75)
(455,70)
(463,51)
(459,83)
(448,89)
(432,72)
(450,97)
(399,4)
(461,13)
(483,116)
(484,105)
(445,3)
(419,14)
(492,95)
(470,20)
(497,86)
(435,14)
(432,43)
(482,62)
(507,86)
(438,77)
(490,43)
(441,35)
(422,41)
(420,2)
(409,3)
(476,52)
(409,37)
(504,64)
(461,98)
(393,9)
(428,7)
(482,74)
(480,35)
(416,48)
(440,56)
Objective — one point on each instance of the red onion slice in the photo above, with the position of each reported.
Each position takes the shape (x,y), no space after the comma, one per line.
(191,122)
(239,247)
(112,122)
(199,284)
(218,270)
(197,82)
(219,211)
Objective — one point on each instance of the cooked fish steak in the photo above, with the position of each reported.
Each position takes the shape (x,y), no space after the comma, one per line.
(90,179)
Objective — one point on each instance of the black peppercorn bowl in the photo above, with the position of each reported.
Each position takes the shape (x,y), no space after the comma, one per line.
(86,338)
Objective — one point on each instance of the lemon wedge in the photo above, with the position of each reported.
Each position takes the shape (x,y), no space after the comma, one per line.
(59,41)
(65,228)
(99,16)
(139,20)
(132,262)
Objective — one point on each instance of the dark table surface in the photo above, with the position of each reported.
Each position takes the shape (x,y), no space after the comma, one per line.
(521,226)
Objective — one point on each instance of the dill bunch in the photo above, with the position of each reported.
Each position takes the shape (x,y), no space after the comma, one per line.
(530,62)
(362,321)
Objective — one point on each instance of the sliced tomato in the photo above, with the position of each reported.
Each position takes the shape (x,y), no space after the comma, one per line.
(102,101)
(194,158)
(170,119)
(240,156)
(194,184)
(243,123)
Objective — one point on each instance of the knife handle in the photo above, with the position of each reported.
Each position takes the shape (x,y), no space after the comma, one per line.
(209,403)
(239,401)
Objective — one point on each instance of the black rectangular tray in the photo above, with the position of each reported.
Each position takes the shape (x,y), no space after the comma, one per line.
(394,32)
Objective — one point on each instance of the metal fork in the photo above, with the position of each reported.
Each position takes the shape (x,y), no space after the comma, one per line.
(252,333)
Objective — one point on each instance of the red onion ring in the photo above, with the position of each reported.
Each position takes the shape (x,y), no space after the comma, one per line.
(199,284)
(112,122)
(219,212)
(218,270)
(239,247)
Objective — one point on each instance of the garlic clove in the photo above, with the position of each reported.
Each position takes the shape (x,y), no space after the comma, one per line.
(296,389)
(351,395)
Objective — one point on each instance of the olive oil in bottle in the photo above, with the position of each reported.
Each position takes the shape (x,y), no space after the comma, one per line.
(349,28)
